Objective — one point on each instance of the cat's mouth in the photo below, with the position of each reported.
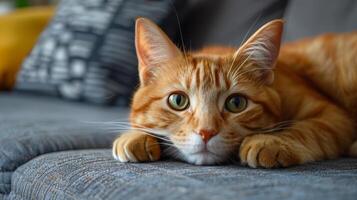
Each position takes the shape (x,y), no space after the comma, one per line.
(203,157)
(204,151)
(198,152)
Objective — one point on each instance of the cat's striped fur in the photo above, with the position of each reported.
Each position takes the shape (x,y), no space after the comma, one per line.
(302,100)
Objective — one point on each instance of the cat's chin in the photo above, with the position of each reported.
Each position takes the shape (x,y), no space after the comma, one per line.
(203,158)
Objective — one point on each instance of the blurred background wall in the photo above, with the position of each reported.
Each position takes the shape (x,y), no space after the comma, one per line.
(230,21)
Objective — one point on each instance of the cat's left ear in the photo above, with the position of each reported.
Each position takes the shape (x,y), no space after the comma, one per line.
(153,48)
(261,51)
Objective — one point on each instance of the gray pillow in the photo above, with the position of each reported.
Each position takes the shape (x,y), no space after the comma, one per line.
(87,52)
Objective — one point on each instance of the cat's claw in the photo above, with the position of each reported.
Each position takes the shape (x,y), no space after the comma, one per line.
(267,151)
(136,147)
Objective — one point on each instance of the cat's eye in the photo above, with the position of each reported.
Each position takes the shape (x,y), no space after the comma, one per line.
(236,103)
(178,101)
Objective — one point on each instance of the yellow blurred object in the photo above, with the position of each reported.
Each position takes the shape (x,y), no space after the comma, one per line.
(19,31)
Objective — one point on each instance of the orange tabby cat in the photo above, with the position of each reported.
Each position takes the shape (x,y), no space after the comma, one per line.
(270,107)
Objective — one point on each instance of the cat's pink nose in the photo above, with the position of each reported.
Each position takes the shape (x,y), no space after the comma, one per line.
(207,134)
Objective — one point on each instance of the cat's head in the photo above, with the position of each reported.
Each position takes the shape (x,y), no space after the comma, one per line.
(205,102)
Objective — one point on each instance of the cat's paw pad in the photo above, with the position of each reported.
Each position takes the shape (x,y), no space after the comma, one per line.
(267,151)
(136,148)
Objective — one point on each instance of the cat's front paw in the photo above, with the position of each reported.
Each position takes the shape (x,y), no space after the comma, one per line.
(267,151)
(136,147)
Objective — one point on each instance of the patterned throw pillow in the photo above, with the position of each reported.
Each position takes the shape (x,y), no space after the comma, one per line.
(87,52)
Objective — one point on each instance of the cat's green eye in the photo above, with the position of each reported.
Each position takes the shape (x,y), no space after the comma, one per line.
(178,101)
(236,103)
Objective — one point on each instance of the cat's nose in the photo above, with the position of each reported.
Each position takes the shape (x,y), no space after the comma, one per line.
(206,135)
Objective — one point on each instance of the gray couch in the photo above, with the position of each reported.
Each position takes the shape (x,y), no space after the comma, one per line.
(56,149)
(49,150)
(40,138)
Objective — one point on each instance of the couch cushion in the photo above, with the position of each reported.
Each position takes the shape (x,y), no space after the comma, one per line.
(87,52)
(31,126)
(94,174)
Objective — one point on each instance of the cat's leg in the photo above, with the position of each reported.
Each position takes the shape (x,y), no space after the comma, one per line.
(323,135)
(136,146)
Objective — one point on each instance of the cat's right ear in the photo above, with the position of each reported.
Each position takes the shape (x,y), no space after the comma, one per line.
(261,50)
(153,48)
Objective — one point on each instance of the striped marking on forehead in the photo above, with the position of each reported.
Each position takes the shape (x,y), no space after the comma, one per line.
(208,73)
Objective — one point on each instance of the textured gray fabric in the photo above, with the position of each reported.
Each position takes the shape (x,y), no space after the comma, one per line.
(94,174)
(308,18)
(31,126)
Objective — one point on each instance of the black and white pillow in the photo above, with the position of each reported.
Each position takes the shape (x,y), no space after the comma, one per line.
(87,52)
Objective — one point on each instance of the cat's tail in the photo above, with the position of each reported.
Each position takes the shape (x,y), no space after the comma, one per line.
(353,149)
